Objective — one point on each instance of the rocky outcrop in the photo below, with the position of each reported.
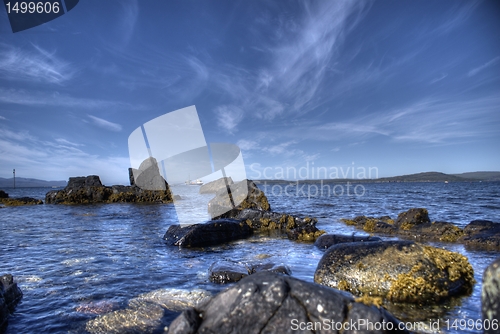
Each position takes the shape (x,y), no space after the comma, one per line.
(490,297)
(229,271)
(413,224)
(210,233)
(239,196)
(20,201)
(214,186)
(398,271)
(148,176)
(3,194)
(327,240)
(87,190)
(10,295)
(482,235)
(271,303)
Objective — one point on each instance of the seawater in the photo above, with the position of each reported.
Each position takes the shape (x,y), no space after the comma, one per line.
(67,257)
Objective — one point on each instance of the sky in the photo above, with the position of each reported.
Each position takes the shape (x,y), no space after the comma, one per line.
(400,87)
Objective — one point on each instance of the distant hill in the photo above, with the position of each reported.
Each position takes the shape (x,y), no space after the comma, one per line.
(22,182)
(419,177)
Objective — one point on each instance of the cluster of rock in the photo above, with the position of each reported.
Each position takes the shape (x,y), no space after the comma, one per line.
(10,295)
(87,190)
(416,225)
(231,222)
(229,271)
(7,201)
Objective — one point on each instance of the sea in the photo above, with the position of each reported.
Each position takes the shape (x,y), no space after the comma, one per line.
(66,257)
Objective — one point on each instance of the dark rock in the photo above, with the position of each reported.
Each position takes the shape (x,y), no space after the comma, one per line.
(382,224)
(399,271)
(20,201)
(131,177)
(229,271)
(10,295)
(3,194)
(436,231)
(86,190)
(239,196)
(148,176)
(490,297)
(211,233)
(272,303)
(214,186)
(482,235)
(412,217)
(327,240)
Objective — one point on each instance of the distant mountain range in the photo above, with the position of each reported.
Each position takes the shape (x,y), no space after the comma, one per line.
(22,182)
(420,177)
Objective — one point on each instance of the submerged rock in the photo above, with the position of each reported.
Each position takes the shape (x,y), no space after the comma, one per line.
(271,303)
(87,190)
(214,186)
(228,201)
(327,240)
(435,231)
(490,297)
(399,271)
(482,235)
(10,295)
(229,271)
(211,233)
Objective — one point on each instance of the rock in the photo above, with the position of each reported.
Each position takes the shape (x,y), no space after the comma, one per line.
(210,233)
(383,224)
(20,201)
(148,176)
(10,295)
(147,312)
(3,194)
(214,186)
(412,217)
(272,303)
(327,240)
(437,231)
(246,193)
(87,190)
(131,176)
(399,271)
(482,235)
(229,271)
(490,297)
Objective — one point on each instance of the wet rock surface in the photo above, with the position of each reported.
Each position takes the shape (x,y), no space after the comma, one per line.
(490,297)
(3,194)
(229,271)
(214,186)
(398,271)
(482,235)
(327,240)
(18,201)
(412,217)
(210,233)
(272,303)
(10,295)
(88,190)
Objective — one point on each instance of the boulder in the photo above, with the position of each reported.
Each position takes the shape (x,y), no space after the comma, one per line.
(20,201)
(490,297)
(238,196)
(382,224)
(10,295)
(214,186)
(3,194)
(229,271)
(412,217)
(88,190)
(398,271)
(482,235)
(435,231)
(327,240)
(148,176)
(210,233)
(272,303)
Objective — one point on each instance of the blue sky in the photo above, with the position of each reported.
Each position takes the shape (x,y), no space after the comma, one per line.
(403,86)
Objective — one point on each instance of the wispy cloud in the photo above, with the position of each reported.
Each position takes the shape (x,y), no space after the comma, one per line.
(439,78)
(38,65)
(456,16)
(67,142)
(228,117)
(2,118)
(476,70)
(104,124)
(38,98)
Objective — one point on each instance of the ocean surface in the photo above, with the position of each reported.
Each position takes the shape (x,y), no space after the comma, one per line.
(66,257)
